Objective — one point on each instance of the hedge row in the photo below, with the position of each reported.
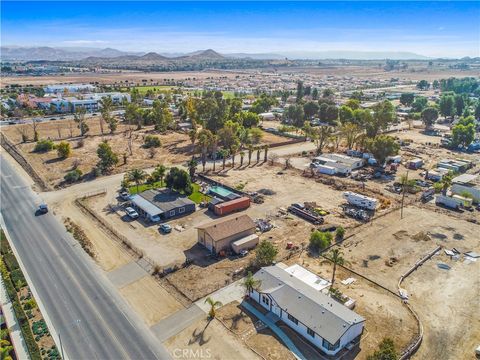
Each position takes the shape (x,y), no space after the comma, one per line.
(17,308)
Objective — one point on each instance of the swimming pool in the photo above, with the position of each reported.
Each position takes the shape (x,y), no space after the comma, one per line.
(220,191)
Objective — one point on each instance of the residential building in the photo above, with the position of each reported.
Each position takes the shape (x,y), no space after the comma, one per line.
(219,235)
(156,205)
(343,164)
(324,322)
(68,88)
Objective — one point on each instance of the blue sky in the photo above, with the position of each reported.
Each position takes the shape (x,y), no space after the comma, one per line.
(450,29)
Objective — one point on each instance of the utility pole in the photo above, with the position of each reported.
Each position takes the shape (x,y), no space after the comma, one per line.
(403,194)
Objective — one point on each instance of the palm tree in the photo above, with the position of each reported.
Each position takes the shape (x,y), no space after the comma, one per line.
(336,257)
(265,147)
(213,307)
(214,149)
(192,166)
(224,154)
(250,283)
(258,148)
(242,155)
(250,152)
(205,141)
(233,151)
(136,176)
(160,172)
(192,134)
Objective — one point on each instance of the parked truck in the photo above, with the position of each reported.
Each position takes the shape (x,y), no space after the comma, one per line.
(360,200)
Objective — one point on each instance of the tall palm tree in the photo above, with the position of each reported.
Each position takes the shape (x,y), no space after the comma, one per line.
(258,148)
(336,257)
(214,305)
(233,151)
(192,134)
(224,153)
(250,283)
(205,141)
(250,152)
(214,149)
(136,176)
(242,155)
(192,166)
(265,147)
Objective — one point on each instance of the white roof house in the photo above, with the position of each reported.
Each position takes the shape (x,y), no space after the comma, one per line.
(467,183)
(289,294)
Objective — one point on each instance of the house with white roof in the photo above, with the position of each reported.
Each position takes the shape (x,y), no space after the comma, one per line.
(290,294)
(467,183)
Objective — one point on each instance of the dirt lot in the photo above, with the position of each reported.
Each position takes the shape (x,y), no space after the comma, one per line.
(432,290)
(149,300)
(208,339)
(176,148)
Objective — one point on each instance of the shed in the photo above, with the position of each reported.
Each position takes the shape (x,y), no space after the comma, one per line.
(246,243)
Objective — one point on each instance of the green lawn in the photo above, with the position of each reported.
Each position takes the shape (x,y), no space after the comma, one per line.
(197,197)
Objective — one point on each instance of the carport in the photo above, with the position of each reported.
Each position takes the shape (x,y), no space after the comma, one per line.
(145,207)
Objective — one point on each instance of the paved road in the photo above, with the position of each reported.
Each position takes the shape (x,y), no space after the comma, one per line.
(80,303)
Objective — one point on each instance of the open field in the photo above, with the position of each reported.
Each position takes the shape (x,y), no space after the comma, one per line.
(209,338)
(176,148)
(432,290)
(149,300)
(414,73)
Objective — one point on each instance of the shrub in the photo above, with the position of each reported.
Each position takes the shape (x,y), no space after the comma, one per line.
(340,233)
(18,279)
(151,141)
(73,176)
(4,245)
(11,262)
(320,240)
(44,146)
(265,253)
(64,150)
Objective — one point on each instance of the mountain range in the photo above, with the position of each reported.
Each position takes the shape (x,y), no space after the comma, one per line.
(95,55)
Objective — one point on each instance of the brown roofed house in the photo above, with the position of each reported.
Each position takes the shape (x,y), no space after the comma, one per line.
(219,235)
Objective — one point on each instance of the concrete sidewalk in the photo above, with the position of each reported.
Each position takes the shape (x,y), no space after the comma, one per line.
(18,342)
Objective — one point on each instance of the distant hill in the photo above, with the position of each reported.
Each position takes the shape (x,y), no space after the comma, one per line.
(15,53)
(323,55)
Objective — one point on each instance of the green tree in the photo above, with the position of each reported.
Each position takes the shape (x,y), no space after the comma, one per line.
(383,116)
(256,135)
(423,85)
(463,133)
(108,159)
(353,103)
(315,94)
(320,136)
(64,150)
(250,283)
(429,116)
(336,257)
(447,105)
(350,132)
(295,115)
(247,118)
(459,104)
(383,146)
(214,305)
(327,93)
(136,176)
(386,351)
(419,104)
(300,92)
(205,138)
(310,109)
(192,167)
(407,99)
(265,253)
(345,114)
(73,176)
(112,124)
(151,141)
(179,180)
(106,105)
(320,240)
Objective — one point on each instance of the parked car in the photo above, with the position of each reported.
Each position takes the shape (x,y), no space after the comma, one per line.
(131,212)
(43,209)
(125,196)
(165,228)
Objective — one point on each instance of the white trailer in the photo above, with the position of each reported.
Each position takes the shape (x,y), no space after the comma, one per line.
(360,200)
(325,169)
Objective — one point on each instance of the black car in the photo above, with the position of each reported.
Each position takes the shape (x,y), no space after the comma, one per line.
(43,209)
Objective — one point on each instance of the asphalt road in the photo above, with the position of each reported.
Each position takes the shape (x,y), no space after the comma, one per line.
(92,319)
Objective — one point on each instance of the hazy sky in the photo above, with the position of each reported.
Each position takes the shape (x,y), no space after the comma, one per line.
(449,29)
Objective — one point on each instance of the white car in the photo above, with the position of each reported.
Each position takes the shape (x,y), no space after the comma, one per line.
(131,212)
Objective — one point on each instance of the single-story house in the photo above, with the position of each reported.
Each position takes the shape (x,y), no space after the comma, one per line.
(324,322)
(156,205)
(219,235)
(342,164)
